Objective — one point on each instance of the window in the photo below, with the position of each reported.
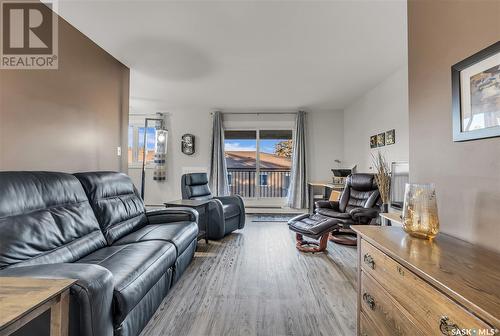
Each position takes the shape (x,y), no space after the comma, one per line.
(240,148)
(263,179)
(258,162)
(287,180)
(130,143)
(136,144)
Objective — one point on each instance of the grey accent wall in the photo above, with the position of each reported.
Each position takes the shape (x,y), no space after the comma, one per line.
(467,174)
(70,119)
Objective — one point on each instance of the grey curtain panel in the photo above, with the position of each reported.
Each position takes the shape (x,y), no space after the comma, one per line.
(218,169)
(297,193)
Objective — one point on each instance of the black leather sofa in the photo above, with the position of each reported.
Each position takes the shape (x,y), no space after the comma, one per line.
(93,227)
(227,213)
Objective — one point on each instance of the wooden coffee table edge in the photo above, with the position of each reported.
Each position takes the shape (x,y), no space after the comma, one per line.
(58,303)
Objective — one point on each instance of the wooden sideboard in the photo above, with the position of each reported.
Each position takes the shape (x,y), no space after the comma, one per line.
(410,286)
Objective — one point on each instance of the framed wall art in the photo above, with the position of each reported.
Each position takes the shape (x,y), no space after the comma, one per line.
(373,141)
(390,137)
(476,95)
(381,139)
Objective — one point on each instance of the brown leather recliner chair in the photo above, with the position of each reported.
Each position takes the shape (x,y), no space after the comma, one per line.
(358,204)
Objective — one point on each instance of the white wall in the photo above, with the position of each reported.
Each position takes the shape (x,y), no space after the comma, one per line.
(332,135)
(325,145)
(178,123)
(381,109)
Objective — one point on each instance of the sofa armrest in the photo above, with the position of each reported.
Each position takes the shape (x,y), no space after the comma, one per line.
(90,297)
(169,215)
(364,215)
(327,205)
(236,199)
(217,226)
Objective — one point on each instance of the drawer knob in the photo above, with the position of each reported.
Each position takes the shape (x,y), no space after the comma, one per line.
(370,301)
(400,271)
(368,259)
(447,327)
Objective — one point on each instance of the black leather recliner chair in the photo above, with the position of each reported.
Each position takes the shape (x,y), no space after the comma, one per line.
(358,204)
(227,213)
(125,259)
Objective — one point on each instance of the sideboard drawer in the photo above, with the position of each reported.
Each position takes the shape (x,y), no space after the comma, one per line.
(383,311)
(366,327)
(432,310)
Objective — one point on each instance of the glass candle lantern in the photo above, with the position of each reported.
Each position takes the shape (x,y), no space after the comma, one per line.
(420,213)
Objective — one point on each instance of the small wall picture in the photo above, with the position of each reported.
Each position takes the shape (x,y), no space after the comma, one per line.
(476,95)
(373,141)
(381,140)
(390,137)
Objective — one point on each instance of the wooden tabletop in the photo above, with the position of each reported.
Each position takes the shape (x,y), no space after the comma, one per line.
(326,184)
(20,296)
(468,273)
(188,203)
(393,217)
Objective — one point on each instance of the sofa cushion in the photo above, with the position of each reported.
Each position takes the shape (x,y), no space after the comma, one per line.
(115,201)
(181,234)
(136,268)
(45,218)
(230,210)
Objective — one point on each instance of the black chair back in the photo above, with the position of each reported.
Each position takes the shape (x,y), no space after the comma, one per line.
(194,186)
(360,191)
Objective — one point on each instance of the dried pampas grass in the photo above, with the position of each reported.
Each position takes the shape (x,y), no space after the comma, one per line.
(382,176)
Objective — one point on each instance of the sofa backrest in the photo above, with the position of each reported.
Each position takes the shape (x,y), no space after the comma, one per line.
(116,203)
(45,218)
(195,186)
(360,191)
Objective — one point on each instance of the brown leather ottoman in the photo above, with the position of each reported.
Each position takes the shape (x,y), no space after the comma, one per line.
(313,226)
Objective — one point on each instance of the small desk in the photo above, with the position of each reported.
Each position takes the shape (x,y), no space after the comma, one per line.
(195,204)
(392,217)
(327,189)
(24,299)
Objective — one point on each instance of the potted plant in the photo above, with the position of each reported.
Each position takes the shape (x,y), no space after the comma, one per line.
(383,179)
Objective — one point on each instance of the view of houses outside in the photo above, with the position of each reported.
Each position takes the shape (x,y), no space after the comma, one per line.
(275,152)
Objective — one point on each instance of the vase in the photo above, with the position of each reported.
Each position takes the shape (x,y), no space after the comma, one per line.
(420,213)
(384,208)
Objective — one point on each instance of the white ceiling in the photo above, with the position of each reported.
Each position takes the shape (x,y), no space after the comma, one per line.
(248,55)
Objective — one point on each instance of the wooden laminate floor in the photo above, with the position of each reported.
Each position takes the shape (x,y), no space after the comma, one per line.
(254,282)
